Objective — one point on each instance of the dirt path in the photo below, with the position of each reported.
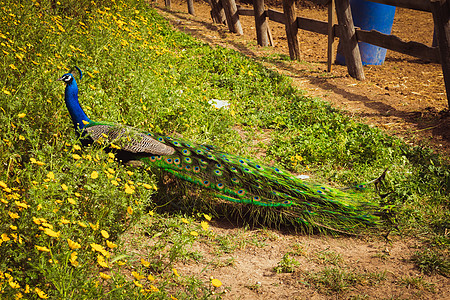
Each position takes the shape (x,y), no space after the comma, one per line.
(405,97)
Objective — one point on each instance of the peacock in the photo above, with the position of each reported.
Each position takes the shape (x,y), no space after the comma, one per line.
(228,177)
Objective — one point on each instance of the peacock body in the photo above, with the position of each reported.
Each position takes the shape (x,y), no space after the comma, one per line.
(228,176)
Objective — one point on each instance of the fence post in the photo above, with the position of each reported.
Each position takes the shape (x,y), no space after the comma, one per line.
(349,40)
(217,11)
(441,16)
(190,4)
(331,22)
(291,28)
(168,4)
(232,16)
(260,23)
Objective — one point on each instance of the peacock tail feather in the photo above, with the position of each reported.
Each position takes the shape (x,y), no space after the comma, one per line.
(228,177)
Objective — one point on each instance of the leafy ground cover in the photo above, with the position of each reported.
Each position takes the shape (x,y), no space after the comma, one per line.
(65,209)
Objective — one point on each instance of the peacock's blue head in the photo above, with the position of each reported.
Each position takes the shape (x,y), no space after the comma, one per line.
(67,78)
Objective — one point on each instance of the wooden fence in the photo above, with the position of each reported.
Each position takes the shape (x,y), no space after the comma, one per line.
(344,30)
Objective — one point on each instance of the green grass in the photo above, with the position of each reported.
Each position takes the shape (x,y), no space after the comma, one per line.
(140,72)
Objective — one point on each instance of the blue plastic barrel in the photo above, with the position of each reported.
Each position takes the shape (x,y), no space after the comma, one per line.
(367,16)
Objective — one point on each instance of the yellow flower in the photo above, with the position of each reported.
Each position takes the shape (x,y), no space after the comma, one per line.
(21,137)
(101,261)
(18,295)
(14,284)
(151,213)
(173,298)
(128,189)
(76,147)
(137,276)
(147,186)
(105,276)
(13,227)
(204,225)
(84,122)
(3,185)
(94,175)
(73,259)
(73,245)
(110,244)
(207,217)
(76,156)
(216,282)
(71,201)
(21,204)
(129,210)
(151,278)
(94,226)
(97,247)
(175,272)
(114,182)
(41,293)
(110,170)
(43,249)
(104,233)
(137,283)
(64,187)
(82,224)
(64,220)
(51,233)
(21,115)
(194,233)
(51,175)
(111,155)
(154,288)
(13,215)
(145,263)
(184,220)
(130,173)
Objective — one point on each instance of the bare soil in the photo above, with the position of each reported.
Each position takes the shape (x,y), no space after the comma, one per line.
(405,97)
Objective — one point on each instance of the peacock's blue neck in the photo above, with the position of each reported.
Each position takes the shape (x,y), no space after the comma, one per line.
(76,112)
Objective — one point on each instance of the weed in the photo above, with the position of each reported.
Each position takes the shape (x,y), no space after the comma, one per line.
(286,265)
(329,257)
(417,283)
(333,279)
(431,262)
